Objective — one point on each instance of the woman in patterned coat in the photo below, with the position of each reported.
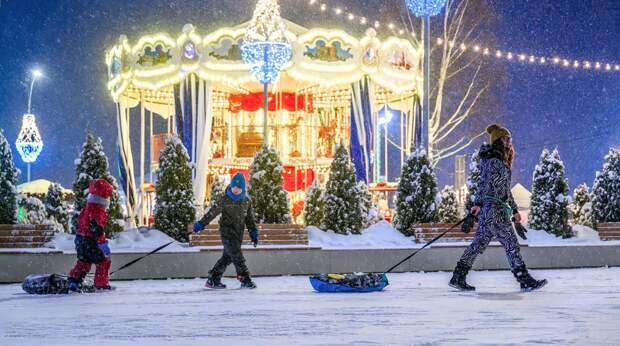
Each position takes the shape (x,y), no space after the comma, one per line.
(495,207)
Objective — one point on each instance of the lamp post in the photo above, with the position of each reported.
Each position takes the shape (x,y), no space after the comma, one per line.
(266,50)
(29,143)
(426,9)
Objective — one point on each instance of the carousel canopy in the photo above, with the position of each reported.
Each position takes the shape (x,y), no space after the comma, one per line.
(321,58)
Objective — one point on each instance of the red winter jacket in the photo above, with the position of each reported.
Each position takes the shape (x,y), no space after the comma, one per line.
(94,212)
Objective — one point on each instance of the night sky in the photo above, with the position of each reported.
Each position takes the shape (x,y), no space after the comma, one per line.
(575,110)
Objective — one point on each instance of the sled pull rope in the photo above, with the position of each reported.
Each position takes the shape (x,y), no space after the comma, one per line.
(427,244)
(140,258)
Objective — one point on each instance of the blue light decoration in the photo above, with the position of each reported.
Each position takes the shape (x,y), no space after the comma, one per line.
(266,50)
(421,8)
(266,59)
(425,9)
(29,143)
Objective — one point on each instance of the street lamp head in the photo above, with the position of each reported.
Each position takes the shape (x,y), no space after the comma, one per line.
(36,73)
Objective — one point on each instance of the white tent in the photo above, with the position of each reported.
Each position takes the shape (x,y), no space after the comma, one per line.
(39,186)
(522,198)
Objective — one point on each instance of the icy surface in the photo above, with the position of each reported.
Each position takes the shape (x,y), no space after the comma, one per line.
(577,307)
(379,235)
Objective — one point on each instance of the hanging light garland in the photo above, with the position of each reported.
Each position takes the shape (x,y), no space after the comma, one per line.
(483,51)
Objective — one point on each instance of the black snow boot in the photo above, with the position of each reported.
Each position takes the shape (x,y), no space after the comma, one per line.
(528,283)
(458,278)
(246,281)
(214,281)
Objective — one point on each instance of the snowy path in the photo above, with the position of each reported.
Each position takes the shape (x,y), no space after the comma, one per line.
(416,309)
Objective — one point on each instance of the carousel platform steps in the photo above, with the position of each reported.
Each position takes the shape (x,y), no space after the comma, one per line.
(25,236)
(269,234)
(426,232)
(609,231)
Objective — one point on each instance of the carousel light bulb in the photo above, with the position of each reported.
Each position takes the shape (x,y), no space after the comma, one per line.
(476,48)
(312,2)
(556,60)
(401,32)
(338,11)
(377,25)
(543,60)
(509,56)
(323,7)
(351,16)
(363,20)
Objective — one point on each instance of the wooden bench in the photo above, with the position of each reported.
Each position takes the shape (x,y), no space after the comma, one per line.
(426,232)
(609,231)
(269,234)
(25,236)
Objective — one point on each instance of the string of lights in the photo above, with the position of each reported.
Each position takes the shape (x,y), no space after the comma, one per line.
(481,50)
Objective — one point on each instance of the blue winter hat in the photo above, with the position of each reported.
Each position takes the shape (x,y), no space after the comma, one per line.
(238,180)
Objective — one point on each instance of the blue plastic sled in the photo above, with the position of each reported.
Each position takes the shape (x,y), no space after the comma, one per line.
(324,286)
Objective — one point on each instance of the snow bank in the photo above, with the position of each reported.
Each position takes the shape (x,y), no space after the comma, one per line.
(133,240)
(378,236)
(583,235)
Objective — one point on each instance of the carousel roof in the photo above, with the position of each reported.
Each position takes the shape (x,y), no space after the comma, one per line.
(321,58)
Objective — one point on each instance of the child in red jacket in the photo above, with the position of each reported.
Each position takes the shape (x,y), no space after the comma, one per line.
(90,241)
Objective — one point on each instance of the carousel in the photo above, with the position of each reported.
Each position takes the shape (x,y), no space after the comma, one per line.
(335,88)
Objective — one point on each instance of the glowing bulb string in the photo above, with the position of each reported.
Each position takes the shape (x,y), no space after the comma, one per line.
(579,64)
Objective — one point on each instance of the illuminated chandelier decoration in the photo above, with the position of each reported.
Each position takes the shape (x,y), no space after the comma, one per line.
(265,47)
(266,50)
(29,143)
(421,8)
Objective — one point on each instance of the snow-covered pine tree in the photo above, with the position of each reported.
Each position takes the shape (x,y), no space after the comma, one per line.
(217,189)
(56,208)
(314,205)
(93,164)
(606,189)
(8,180)
(550,199)
(370,212)
(472,180)
(269,199)
(416,198)
(174,209)
(343,201)
(34,210)
(447,211)
(581,206)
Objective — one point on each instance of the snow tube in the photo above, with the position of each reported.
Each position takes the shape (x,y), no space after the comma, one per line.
(349,283)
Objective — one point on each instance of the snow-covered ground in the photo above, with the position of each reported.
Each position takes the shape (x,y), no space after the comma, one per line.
(577,307)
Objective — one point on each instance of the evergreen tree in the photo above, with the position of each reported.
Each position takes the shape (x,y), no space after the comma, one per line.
(550,199)
(416,198)
(370,212)
(270,200)
(56,208)
(343,202)
(8,180)
(606,190)
(174,209)
(34,210)
(581,206)
(217,190)
(448,207)
(314,205)
(472,180)
(93,164)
